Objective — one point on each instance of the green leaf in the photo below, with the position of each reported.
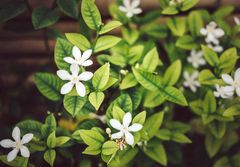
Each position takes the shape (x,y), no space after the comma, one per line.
(92,150)
(78,40)
(228,60)
(49,85)
(49,156)
(209,103)
(96,99)
(170,10)
(140,118)
(156,151)
(186,42)
(101,77)
(118,113)
(128,81)
(92,137)
(154,30)
(43,17)
(110,26)
(62,49)
(151,60)
(10,9)
(232,111)
(164,134)
(117,14)
(61,140)
(153,99)
(17,162)
(180,138)
(151,82)
(212,145)
(223,12)
(74,104)
(106,42)
(188,4)
(51,140)
(111,82)
(177,25)
(69,7)
(31,126)
(130,35)
(91,14)
(210,56)
(217,128)
(109,147)
(195,23)
(172,74)
(152,124)
(206,77)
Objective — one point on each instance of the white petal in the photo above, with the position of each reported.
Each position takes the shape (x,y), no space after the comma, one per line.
(85,76)
(69,60)
(127,118)
(123,9)
(24,151)
(12,155)
(238,91)
(66,88)
(135,127)
(74,68)
(126,3)
(117,135)
(195,74)
(27,138)
(212,24)
(216,94)
(129,14)
(135,3)
(87,63)
(7,143)
(87,54)
(237,75)
(218,32)
(76,52)
(81,90)
(137,11)
(115,124)
(227,78)
(203,31)
(129,138)
(64,75)
(16,134)
(237,21)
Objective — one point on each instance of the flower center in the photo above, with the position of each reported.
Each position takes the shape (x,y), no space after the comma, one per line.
(75,79)
(18,144)
(125,129)
(236,84)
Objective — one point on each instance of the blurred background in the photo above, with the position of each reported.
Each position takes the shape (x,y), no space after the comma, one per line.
(24,51)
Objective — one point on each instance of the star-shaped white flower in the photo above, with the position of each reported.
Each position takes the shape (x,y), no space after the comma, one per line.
(237,20)
(17,144)
(131,7)
(234,83)
(216,48)
(125,129)
(212,33)
(196,58)
(74,79)
(191,80)
(79,58)
(224,92)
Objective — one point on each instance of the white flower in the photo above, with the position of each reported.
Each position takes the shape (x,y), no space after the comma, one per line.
(234,83)
(131,7)
(224,92)
(216,48)
(17,145)
(125,129)
(237,20)
(191,80)
(196,58)
(212,33)
(79,58)
(74,79)
(175,2)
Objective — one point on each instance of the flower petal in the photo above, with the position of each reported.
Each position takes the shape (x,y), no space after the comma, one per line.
(7,143)
(238,91)
(203,31)
(81,90)
(227,78)
(64,75)
(74,68)
(76,52)
(237,75)
(137,11)
(115,124)
(127,118)
(135,3)
(27,138)
(85,76)
(87,54)
(69,60)
(218,32)
(129,138)
(16,134)
(24,151)
(117,135)
(87,63)
(123,9)
(135,127)
(12,155)
(66,88)
(126,3)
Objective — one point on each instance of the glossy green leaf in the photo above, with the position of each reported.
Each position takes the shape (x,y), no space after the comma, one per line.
(128,81)
(110,26)
(74,104)
(69,7)
(106,42)
(172,74)
(78,40)
(186,42)
(92,137)
(177,25)
(96,99)
(151,60)
(101,77)
(140,118)
(51,140)
(195,23)
(228,60)
(188,4)
(210,56)
(49,157)
(109,147)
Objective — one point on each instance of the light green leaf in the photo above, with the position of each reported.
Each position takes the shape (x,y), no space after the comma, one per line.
(91,14)
(111,82)
(228,60)
(195,23)
(217,128)
(170,10)
(177,25)
(92,150)
(118,113)
(223,11)
(172,74)
(44,17)
(188,4)
(51,140)
(101,77)
(209,103)
(206,77)
(151,60)
(110,26)
(17,162)
(212,145)
(96,99)
(69,7)
(49,85)
(232,111)
(153,99)
(109,147)
(210,56)
(92,137)
(78,40)
(49,157)
(130,35)
(180,138)
(106,42)
(74,104)
(186,42)
(140,118)
(128,81)
(61,140)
